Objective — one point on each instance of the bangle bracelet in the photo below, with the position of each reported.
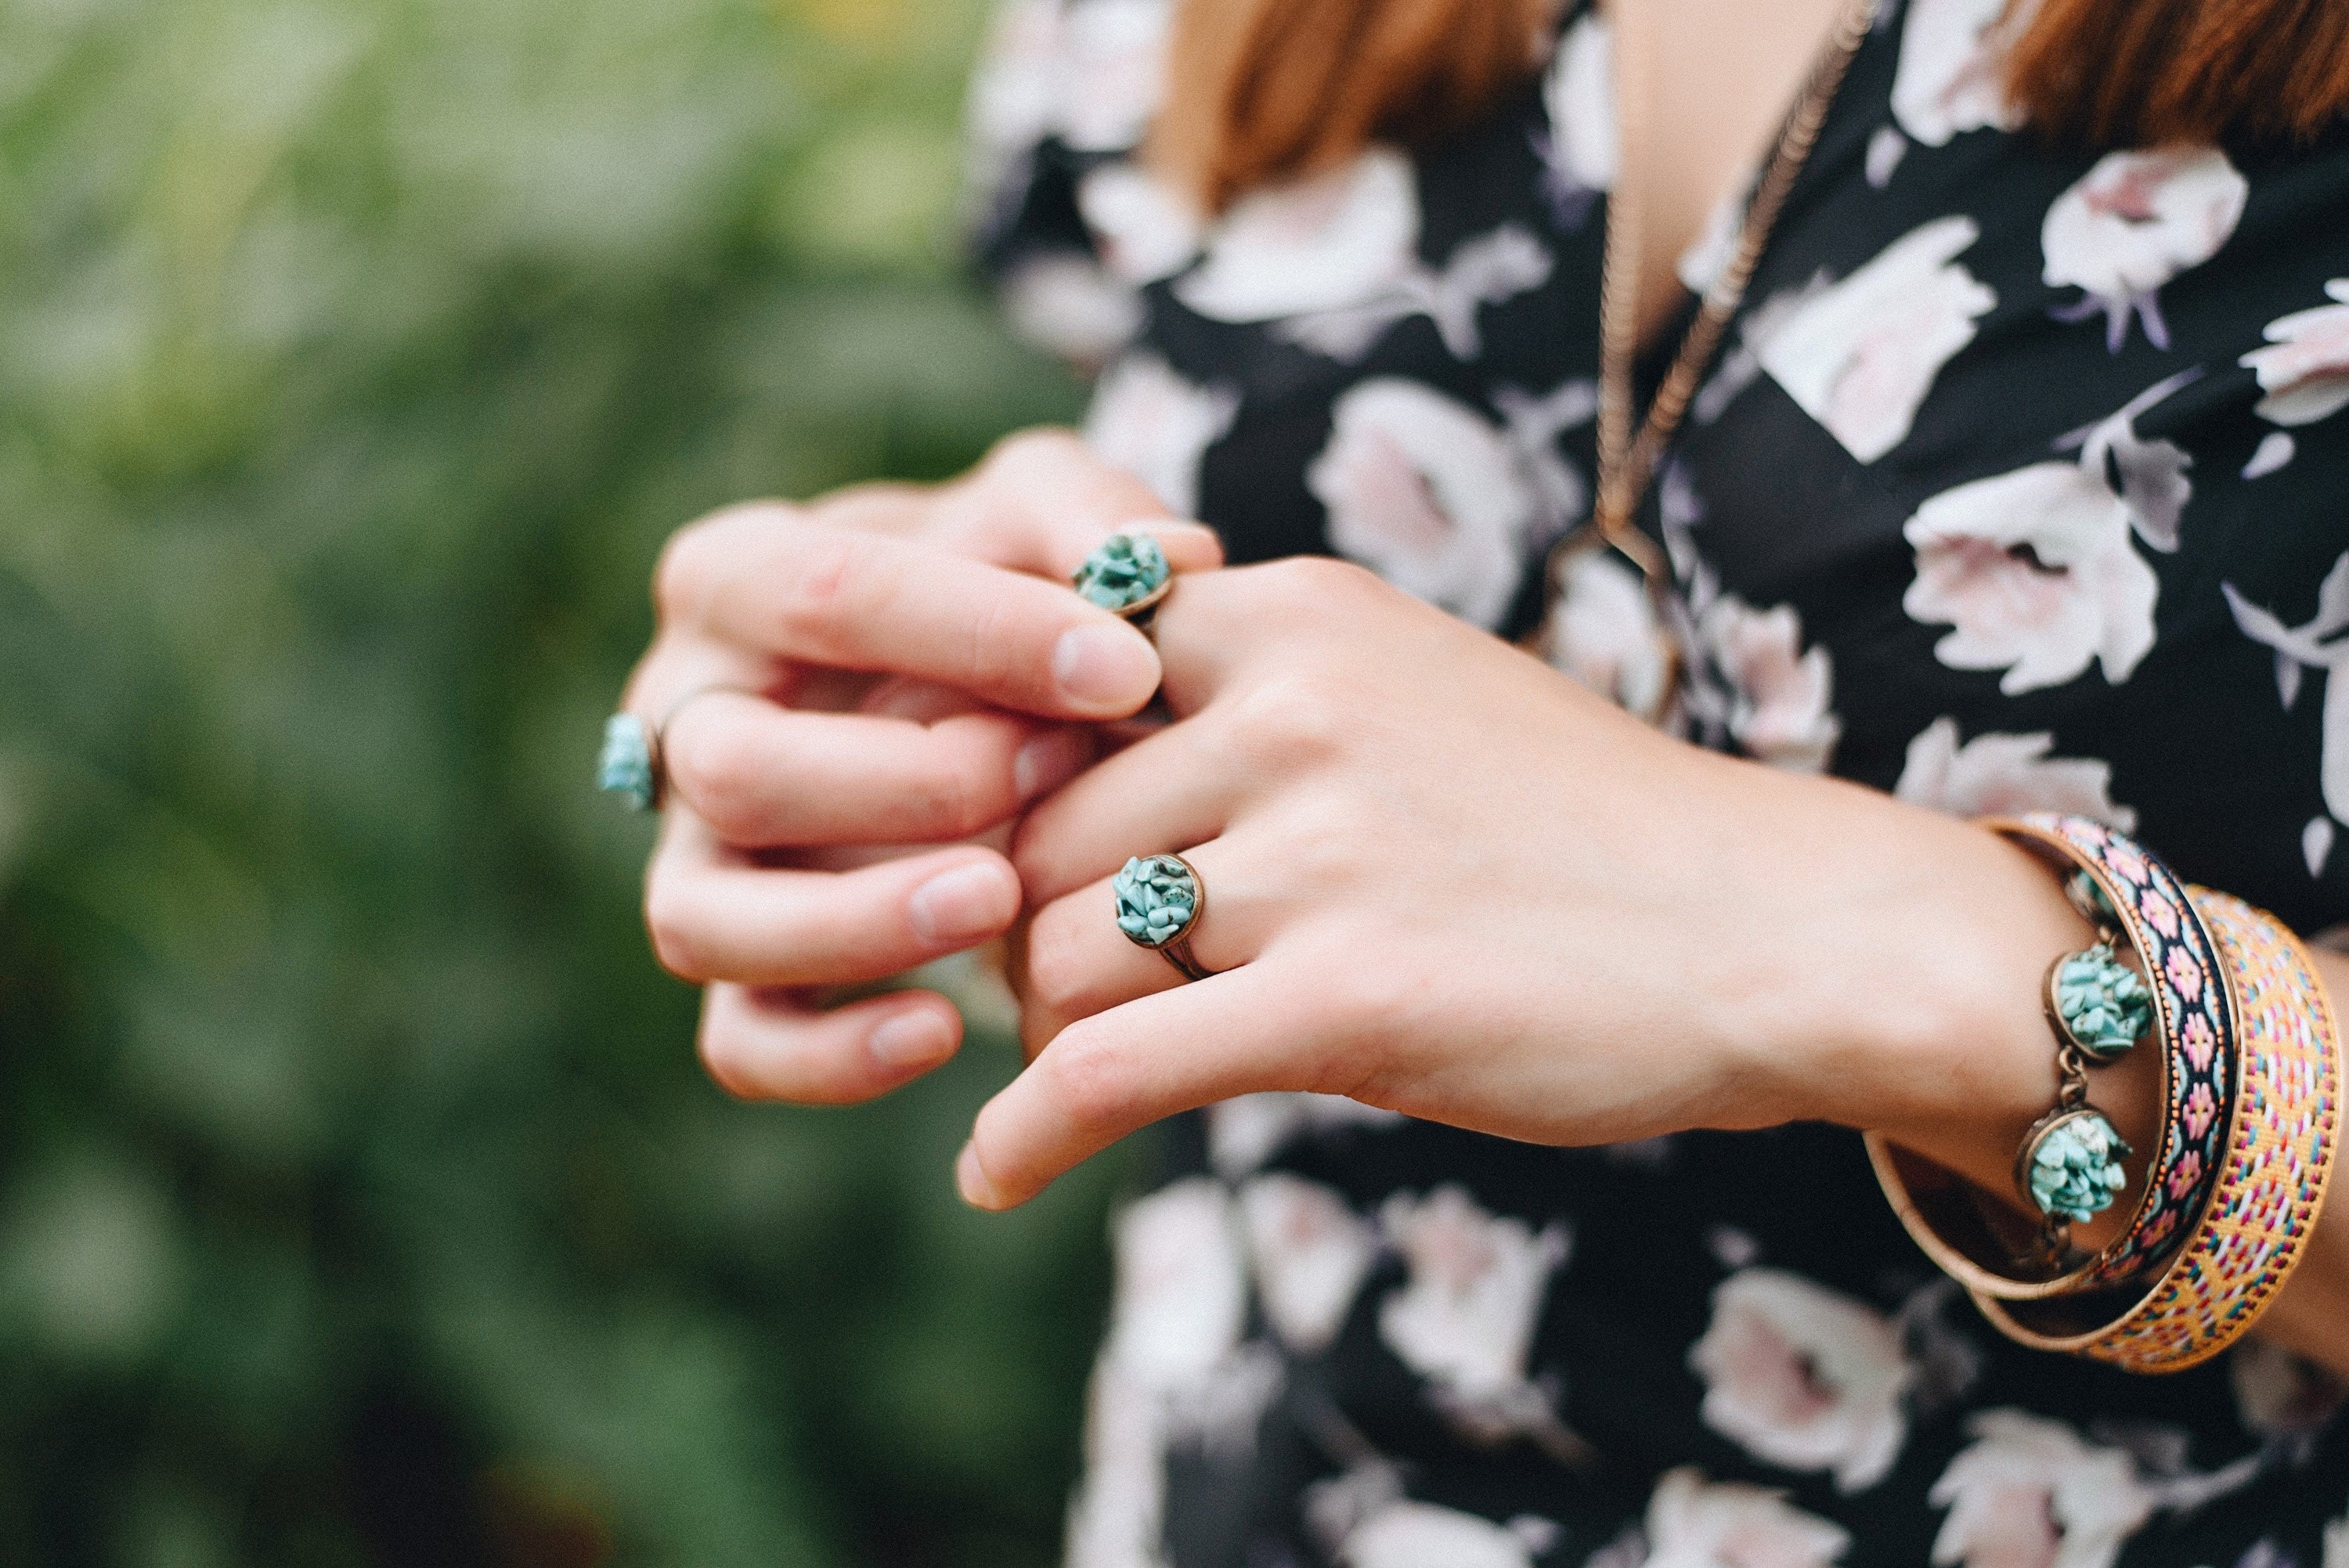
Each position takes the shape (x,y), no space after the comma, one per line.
(2095,1015)
(2280,1149)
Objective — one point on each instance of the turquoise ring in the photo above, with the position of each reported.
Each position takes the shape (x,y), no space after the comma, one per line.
(1160,899)
(630,765)
(1127,574)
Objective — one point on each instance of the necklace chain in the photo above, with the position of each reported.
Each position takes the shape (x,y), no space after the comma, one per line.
(1627,459)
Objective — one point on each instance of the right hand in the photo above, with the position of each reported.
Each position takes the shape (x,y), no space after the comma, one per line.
(851,692)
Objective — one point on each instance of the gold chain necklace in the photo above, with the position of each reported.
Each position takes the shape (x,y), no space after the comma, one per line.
(1627,459)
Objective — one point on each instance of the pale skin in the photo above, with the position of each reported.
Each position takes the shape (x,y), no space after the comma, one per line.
(1444,879)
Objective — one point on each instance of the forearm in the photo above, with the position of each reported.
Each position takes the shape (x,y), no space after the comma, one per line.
(1952,1055)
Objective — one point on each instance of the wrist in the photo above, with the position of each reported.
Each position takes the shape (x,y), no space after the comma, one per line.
(1925,943)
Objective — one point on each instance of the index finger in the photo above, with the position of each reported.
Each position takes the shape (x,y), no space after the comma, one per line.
(1112,1074)
(864,602)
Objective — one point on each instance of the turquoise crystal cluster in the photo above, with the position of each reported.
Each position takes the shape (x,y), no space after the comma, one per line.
(1157,898)
(2103,1004)
(1124,570)
(626,767)
(2074,1169)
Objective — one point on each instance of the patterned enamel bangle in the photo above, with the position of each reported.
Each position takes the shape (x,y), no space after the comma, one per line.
(2279,1154)
(2097,1009)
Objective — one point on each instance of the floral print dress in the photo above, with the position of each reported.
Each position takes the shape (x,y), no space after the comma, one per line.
(2022,481)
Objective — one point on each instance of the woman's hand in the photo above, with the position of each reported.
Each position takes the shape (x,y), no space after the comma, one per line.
(1444,879)
(848,692)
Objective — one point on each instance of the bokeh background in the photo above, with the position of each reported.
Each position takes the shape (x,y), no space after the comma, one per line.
(360,1199)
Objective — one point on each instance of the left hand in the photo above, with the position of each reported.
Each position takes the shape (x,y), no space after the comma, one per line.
(1444,879)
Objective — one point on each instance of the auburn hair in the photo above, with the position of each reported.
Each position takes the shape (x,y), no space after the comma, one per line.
(1265,90)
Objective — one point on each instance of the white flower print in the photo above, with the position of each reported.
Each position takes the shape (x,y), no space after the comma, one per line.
(1244,1131)
(1708,254)
(1532,425)
(1181,1291)
(1142,227)
(1604,632)
(1779,695)
(1464,1320)
(1173,1343)
(1425,491)
(1333,261)
(1885,148)
(1696,1523)
(1995,775)
(1117,1518)
(2316,644)
(1013,92)
(2337,1544)
(1950,78)
(1333,240)
(2029,1493)
(2133,223)
(1089,71)
(1421,1534)
(1113,72)
(1309,1252)
(1150,421)
(1486,270)
(1860,354)
(1804,1377)
(2276,449)
(1582,150)
(1741,364)
(2304,369)
(1069,305)
(2034,569)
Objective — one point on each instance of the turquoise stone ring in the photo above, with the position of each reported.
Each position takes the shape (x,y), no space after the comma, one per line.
(630,764)
(1159,901)
(1127,574)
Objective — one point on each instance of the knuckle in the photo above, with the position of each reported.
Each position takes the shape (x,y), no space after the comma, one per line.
(1322,585)
(716,768)
(1288,721)
(672,922)
(682,577)
(726,1060)
(1090,1079)
(828,577)
(1044,448)
(693,562)
(963,796)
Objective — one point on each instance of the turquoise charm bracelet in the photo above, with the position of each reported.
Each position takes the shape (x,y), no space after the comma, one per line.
(2071,1166)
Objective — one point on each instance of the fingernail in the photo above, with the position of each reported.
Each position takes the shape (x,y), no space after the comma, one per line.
(972,1181)
(1048,762)
(1105,667)
(918,1037)
(956,908)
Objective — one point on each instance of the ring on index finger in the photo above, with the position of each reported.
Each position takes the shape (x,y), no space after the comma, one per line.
(1127,574)
(1160,901)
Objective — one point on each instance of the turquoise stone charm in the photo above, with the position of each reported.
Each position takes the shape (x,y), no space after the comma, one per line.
(2072,1166)
(1158,900)
(626,768)
(1126,575)
(2098,1003)
(2089,899)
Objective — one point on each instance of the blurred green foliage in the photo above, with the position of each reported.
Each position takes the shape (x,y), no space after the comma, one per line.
(360,1199)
